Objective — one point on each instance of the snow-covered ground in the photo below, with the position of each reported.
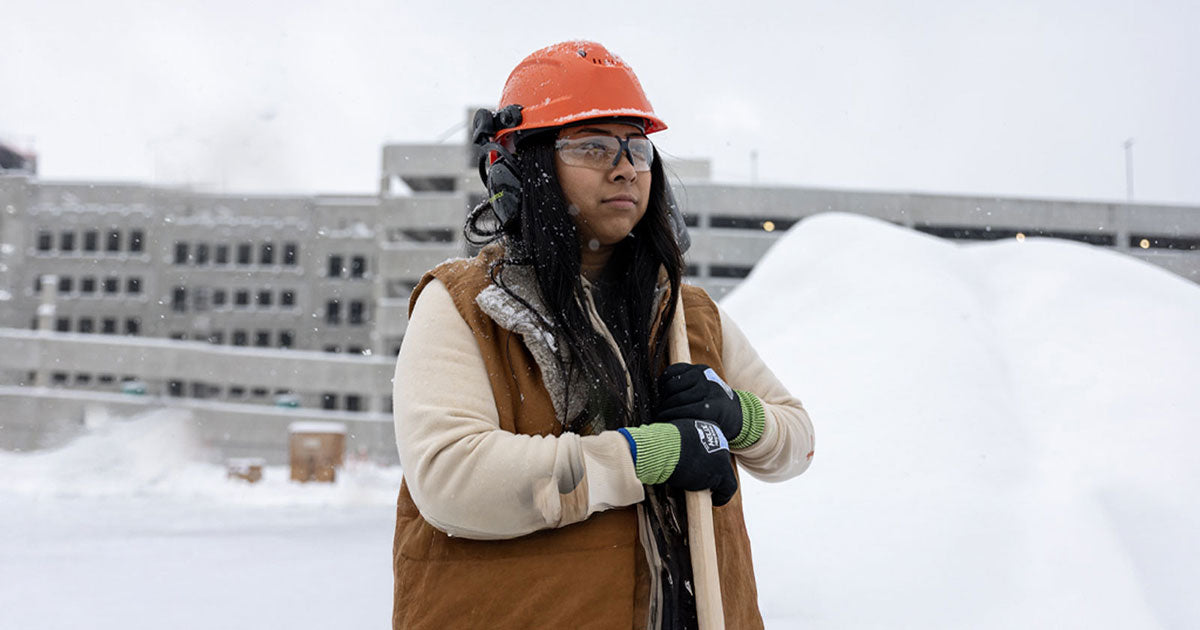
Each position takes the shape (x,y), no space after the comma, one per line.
(1003,437)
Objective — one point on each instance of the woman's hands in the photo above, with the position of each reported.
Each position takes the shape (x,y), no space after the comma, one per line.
(689,454)
(700,418)
(686,390)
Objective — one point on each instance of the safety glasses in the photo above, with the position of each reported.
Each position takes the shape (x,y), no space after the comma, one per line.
(603,152)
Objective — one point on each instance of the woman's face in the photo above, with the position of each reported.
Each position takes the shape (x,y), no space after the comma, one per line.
(605,204)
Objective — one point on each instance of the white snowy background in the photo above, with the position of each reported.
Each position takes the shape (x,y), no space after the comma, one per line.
(1014,98)
(1005,439)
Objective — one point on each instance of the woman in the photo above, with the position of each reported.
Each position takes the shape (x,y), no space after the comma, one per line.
(546,444)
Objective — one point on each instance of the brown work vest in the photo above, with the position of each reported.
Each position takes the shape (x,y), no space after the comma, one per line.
(591,574)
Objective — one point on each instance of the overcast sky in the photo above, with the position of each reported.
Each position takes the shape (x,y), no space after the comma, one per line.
(1008,98)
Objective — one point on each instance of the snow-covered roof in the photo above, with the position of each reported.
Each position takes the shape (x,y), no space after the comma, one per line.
(312,426)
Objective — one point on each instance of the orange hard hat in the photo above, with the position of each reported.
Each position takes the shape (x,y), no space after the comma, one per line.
(574,81)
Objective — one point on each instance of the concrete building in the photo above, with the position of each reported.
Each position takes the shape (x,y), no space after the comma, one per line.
(232,305)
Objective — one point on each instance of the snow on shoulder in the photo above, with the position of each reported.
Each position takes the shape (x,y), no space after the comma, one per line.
(1003,432)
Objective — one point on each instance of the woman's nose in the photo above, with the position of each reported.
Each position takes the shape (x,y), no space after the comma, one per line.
(624,168)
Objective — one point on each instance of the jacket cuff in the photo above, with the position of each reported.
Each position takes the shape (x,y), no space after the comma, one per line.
(754,418)
(657,446)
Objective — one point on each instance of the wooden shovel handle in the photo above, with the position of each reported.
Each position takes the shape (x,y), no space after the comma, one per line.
(701,536)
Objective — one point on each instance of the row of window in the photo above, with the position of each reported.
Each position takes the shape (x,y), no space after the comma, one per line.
(90,285)
(201,254)
(90,242)
(102,325)
(337,267)
(197,389)
(262,338)
(204,298)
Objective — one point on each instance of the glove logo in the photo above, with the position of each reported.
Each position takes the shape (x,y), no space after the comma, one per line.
(711,437)
(711,375)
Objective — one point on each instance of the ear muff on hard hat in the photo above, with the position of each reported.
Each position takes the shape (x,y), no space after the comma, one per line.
(559,85)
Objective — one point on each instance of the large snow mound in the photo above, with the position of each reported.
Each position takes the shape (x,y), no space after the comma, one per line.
(1004,432)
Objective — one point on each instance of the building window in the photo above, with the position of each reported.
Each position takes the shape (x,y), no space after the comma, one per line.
(133,326)
(63,325)
(109,326)
(114,241)
(239,337)
(729,271)
(287,299)
(179,300)
(175,388)
(267,254)
(262,338)
(329,401)
(335,266)
(87,285)
(44,241)
(202,253)
(87,325)
(354,350)
(243,253)
(222,255)
(218,298)
(236,391)
(181,253)
(358,267)
(178,336)
(332,349)
(353,402)
(110,284)
(286,338)
(135,241)
(264,298)
(200,299)
(66,241)
(60,378)
(133,285)
(333,312)
(65,284)
(91,241)
(241,298)
(216,337)
(289,254)
(356,312)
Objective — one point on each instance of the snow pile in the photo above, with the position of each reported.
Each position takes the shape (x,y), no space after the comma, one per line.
(157,455)
(1003,432)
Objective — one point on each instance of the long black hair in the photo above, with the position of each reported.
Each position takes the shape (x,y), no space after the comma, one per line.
(543,234)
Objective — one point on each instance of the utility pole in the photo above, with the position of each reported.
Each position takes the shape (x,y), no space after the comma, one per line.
(1129,168)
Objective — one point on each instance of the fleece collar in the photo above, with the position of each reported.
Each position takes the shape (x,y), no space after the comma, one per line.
(565,385)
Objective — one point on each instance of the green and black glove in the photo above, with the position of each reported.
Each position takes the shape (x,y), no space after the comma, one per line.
(686,390)
(690,454)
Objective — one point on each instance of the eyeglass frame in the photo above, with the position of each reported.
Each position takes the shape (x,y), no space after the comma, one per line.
(622,149)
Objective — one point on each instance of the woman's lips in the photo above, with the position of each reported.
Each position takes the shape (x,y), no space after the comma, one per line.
(622,201)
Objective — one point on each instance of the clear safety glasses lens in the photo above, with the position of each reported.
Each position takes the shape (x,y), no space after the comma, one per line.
(605,152)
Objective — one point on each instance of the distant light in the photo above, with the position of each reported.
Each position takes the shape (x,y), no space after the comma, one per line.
(1020,237)
(1145,244)
(769,226)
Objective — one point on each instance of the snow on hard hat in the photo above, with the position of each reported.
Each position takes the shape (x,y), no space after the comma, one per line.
(574,81)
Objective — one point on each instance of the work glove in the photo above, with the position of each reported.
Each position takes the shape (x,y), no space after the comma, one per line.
(689,454)
(688,390)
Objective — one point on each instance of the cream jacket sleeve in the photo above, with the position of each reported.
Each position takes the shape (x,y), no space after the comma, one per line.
(786,446)
(469,477)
